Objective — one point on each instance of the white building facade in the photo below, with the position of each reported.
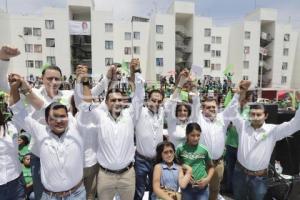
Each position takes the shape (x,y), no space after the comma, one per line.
(164,43)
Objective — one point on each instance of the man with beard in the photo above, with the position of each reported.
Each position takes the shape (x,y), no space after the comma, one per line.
(115,127)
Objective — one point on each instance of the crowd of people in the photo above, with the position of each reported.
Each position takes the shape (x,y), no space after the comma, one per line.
(101,140)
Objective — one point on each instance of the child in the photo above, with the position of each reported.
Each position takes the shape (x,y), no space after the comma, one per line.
(168,176)
(195,155)
(27,176)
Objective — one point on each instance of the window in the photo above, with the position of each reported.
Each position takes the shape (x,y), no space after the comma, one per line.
(218,53)
(216,67)
(159,45)
(246,64)
(109,44)
(218,40)
(37,31)
(206,47)
(127,36)
(27,31)
(159,62)
(38,48)
(285,51)
(206,63)
(159,29)
(284,66)
(127,50)
(28,48)
(286,37)
(283,79)
(38,64)
(245,77)
(50,42)
(246,50)
(49,24)
(207,32)
(109,27)
(136,35)
(247,35)
(213,39)
(29,63)
(136,50)
(51,60)
(213,53)
(109,61)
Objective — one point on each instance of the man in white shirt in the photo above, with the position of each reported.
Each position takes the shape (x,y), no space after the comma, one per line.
(148,133)
(214,127)
(256,143)
(60,146)
(115,127)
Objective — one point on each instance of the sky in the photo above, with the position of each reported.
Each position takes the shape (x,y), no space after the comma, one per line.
(223,12)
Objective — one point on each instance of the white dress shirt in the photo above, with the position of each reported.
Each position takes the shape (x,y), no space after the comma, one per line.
(10,167)
(213,133)
(149,132)
(116,148)
(176,128)
(61,157)
(3,75)
(256,145)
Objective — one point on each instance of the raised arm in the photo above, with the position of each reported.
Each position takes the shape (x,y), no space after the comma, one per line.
(20,115)
(6,53)
(288,128)
(139,93)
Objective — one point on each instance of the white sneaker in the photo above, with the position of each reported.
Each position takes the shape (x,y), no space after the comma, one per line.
(220,197)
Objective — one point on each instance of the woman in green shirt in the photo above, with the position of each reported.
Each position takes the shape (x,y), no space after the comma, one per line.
(195,155)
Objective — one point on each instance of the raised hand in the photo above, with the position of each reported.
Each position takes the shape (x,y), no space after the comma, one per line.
(82,73)
(7,52)
(15,81)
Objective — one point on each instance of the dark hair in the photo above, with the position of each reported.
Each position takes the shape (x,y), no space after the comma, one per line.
(117,65)
(54,106)
(192,126)
(3,123)
(25,139)
(156,91)
(113,90)
(160,148)
(187,106)
(52,67)
(210,99)
(258,106)
(73,105)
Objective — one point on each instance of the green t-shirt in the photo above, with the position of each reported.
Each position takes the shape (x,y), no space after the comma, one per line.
(27,174)
(232,137)
(23,152)
(196,157)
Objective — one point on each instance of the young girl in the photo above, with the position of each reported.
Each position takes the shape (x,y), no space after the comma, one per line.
(195,155)
(167,174)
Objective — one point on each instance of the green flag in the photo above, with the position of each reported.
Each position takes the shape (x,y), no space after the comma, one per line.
(184,96)
(124,67)
(228,69)
(227,98)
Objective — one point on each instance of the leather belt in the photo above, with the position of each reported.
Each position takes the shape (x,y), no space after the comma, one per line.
(121,171)
(262,172)
(217,161)
(64,193)
(145,157)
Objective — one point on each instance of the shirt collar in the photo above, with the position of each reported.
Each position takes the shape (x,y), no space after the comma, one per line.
(165,166)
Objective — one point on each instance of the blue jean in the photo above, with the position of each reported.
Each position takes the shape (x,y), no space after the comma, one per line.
(79,194)
(193,193)
(13,190)
(36,176)
(248,187)
(230,159)
(143,174)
